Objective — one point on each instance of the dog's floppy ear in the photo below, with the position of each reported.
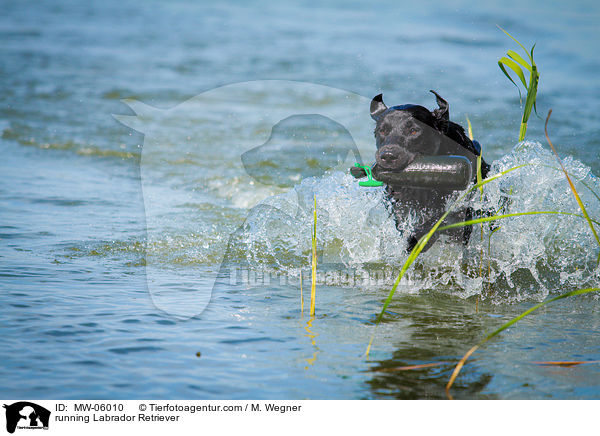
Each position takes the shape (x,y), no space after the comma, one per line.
(377,107)
(442,114)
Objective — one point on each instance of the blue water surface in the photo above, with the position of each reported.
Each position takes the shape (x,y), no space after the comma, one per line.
(76,316)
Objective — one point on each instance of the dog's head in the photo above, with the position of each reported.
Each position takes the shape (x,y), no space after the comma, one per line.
(405,132)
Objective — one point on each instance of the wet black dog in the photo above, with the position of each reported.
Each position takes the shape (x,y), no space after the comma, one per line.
(404,133)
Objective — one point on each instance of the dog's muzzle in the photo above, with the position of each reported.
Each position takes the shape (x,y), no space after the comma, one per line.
(393,157)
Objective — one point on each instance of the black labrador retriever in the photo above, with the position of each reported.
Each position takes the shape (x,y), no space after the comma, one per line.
(405,133)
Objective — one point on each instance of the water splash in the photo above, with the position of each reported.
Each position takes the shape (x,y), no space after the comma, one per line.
(515,259)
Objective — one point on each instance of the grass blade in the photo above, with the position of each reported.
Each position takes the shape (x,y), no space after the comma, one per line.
(507,325)
(470,133)
(590,189)
(510,78)
(313,288)
(513,66)
(410,367)
(515,56)
(531,92)
(469,129)
(509,215)
(301,295)
(423,242)
(479,179)
(514,61)
(575,193)
(479,176)
(534,79)
(565,362)
(580,180)
(515,40)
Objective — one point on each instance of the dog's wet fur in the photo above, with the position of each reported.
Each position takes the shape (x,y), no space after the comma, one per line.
(402,134)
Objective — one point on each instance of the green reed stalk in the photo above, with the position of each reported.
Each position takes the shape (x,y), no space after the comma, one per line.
(585,215)
(571,185)
(313,293)
(423,242)
(462,361)
(510,215)
(595,194)
(479,178)
(514,61)
(438,227)
(301,295)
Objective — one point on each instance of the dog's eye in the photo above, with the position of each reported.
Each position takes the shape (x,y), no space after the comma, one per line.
(413,131)
(385,130)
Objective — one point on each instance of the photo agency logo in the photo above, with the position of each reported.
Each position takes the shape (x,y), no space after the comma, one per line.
(25,415)
(229,179)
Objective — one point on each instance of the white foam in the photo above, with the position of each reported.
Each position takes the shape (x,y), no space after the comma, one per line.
(526,257)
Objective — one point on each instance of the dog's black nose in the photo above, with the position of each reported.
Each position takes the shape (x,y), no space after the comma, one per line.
(388,157)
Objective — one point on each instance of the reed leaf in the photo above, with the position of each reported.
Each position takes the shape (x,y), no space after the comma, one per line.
(514,62)
(515,56)
(313,290)
(479,176)
(566,362)
(437,227)
(423,242)
(469,129)
(580,181)
(479,179)
(462,361)
(510,215)
(590,189)
(531,93)
(479,158)
(504,61)
(301,295)
(409,367)
(514,39)
(575,193)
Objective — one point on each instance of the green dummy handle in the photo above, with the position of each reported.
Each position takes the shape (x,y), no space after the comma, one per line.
(370,182)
